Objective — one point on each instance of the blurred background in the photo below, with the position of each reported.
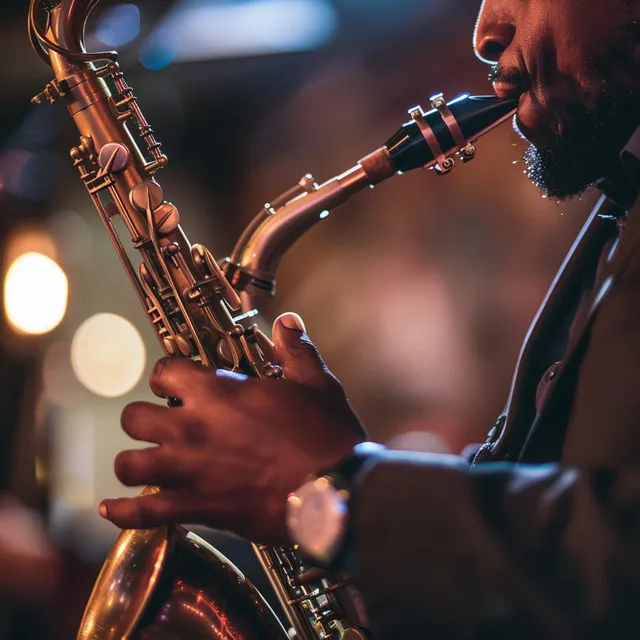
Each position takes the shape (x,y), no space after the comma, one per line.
(418,293)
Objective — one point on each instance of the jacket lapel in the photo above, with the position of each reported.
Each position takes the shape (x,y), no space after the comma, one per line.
(545,440)
(548,333)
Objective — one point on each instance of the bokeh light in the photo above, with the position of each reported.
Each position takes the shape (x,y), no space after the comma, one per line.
(119,25)
(30,238)
(203,30)
(108,355)
(35,294)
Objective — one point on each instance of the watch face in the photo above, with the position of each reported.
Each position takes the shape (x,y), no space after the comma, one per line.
(316,518)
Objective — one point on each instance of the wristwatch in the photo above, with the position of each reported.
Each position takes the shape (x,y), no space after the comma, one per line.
(318,512)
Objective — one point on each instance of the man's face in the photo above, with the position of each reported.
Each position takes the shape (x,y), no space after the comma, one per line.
(576,66)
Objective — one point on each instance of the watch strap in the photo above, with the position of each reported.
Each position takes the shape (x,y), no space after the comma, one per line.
(342,475)
(346,469)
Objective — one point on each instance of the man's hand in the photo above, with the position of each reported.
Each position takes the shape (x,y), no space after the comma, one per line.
(230,455)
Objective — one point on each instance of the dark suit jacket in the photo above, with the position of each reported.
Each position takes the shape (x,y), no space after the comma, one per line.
(542,540)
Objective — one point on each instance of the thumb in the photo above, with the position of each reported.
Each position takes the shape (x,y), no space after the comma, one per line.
(298,356)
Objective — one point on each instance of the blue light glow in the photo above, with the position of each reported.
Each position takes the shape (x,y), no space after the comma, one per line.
(204,29)
(460,98)
(159,49)
(119,25)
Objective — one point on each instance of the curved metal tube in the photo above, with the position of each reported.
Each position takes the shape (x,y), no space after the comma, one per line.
(429,140)
(69,23)
(165,583)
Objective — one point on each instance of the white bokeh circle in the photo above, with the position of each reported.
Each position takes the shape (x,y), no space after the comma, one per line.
(108,355)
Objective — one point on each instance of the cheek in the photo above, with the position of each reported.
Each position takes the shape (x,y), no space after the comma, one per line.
(561,42)
(581,33)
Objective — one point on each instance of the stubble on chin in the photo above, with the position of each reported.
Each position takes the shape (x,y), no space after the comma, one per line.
(588,147)
(596,125)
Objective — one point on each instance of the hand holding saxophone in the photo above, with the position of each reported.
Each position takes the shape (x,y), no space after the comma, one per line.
(231,454)
(237,446)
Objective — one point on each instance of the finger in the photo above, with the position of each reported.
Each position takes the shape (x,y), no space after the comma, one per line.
(297,354)
(177,378)
(154,465)
(149,422)
(144,512)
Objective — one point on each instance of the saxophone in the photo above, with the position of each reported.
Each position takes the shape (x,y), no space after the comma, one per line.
(167,583)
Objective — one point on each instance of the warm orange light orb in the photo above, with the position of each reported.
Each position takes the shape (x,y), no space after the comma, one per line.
(35,294)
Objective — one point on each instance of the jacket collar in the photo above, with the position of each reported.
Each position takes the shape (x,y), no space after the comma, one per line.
(518,423)
(623,188)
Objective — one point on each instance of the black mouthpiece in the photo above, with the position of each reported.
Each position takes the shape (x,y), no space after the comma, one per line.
(430,137)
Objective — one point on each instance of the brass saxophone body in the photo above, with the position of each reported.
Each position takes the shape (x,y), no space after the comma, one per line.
(167,583)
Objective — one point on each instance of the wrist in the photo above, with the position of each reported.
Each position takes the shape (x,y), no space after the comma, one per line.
(317,513)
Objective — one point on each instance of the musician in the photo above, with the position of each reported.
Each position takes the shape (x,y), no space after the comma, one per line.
(543,539)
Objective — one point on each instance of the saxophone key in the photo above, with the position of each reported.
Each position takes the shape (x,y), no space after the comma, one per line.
(272,371)
(169,346)
(237,331)
(145,193)
(184,346)
(207,266)
(224,354)
(265,345)
(170,250)
(114,157)
(166,218)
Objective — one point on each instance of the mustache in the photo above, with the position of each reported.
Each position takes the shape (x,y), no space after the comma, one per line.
(510,75)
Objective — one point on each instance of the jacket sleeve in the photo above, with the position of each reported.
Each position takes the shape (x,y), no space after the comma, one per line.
(444,550)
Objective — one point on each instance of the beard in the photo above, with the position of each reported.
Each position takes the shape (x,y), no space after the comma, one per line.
(595,126)
(588,148)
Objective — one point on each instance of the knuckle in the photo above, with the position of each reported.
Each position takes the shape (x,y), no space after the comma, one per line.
(144,511)
(159,370)
(167,373)
(137,515)
(193,431)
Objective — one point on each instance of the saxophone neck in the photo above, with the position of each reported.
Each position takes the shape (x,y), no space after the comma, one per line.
(259,250)
(60,41)
(432,140)
(68,21)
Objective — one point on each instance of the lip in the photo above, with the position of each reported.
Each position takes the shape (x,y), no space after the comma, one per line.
(533,121)
(505,90)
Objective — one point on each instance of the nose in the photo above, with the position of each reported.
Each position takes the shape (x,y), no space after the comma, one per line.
(494,31)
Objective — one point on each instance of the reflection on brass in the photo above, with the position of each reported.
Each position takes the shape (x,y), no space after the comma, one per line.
(166,583)
(132,570)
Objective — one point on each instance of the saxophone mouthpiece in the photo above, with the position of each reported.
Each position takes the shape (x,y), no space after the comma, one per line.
(429,139)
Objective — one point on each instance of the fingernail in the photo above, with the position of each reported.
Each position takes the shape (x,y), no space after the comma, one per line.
(102,509)
(292,321)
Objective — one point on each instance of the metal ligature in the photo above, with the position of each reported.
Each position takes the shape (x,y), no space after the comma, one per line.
(167,583)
